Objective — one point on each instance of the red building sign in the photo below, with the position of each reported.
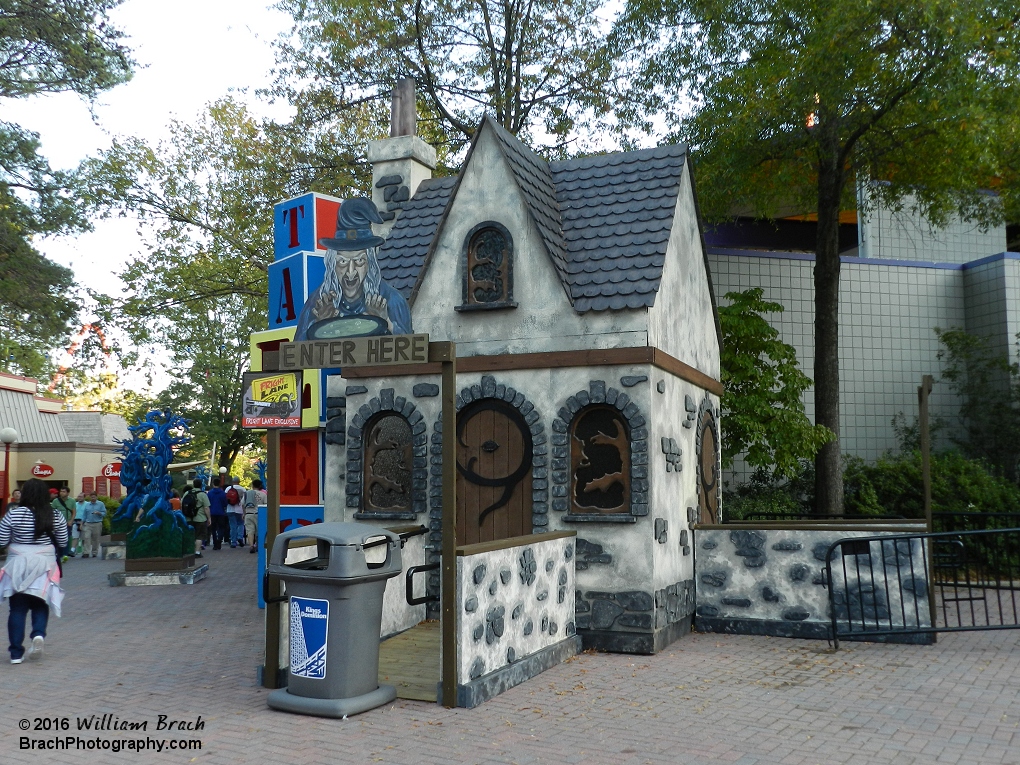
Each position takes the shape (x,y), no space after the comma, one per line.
(41,471)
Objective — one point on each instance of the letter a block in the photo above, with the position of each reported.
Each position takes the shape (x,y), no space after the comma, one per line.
(291,280)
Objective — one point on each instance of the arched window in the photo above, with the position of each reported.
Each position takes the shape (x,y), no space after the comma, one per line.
(709,467)
(600,462)
(488,268)
(386,481)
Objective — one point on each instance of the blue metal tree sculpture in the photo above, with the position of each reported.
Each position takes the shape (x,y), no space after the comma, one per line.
(202,474)
(161,531)
(261,466)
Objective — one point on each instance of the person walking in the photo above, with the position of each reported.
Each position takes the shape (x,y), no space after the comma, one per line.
(195,506)
(35,533)
(218,524)
(67,508)
(79,519)
(235,513)
(92,526)
(253,498)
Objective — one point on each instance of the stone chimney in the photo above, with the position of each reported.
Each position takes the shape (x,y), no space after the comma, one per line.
(402,161)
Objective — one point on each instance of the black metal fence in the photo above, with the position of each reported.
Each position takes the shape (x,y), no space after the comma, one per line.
(911,584)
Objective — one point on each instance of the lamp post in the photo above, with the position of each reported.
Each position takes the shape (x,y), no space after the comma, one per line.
(223,472)
(8,436)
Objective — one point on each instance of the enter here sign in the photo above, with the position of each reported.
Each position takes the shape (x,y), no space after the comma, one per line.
(355,352)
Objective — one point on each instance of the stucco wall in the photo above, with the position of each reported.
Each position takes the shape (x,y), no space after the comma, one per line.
(775,578)
(544,319)
(511,604)
(397,616)
(629,577)
(682,320)
(672,493)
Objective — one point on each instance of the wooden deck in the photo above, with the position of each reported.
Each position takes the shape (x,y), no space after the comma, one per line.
(410,662)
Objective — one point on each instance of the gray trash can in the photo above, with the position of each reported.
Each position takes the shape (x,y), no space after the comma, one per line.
(336,596)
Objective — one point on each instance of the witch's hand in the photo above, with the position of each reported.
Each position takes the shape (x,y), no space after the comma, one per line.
(376,305)
(324,307)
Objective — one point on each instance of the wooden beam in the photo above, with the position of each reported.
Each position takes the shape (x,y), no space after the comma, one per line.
(448,558)
(505,544)
(271,668)
(551,360)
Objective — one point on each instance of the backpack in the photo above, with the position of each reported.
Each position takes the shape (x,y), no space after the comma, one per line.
(250,499)
(233,497)
(189,505)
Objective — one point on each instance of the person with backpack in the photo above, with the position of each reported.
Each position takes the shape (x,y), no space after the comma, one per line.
(195,507)
(235,513)
(35,533)
(253,498)
(218,524)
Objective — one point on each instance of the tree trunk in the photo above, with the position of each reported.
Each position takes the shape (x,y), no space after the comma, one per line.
(828,463)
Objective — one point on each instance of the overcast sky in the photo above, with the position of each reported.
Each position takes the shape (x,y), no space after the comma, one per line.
(189,53)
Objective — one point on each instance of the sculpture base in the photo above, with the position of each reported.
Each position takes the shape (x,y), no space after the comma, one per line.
(286,701)
(113,550)
(150,578)
(159,564)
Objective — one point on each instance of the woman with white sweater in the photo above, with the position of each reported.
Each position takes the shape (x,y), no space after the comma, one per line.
(34,532)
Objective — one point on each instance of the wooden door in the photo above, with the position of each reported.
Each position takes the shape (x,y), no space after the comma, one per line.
(708,470)
(494,454)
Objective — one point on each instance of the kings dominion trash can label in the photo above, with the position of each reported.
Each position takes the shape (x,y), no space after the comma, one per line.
(309,625)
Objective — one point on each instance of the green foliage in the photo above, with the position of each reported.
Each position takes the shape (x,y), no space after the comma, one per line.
(770,497)
(988,385)
(46,46)
(37,302)
(762,411)
(52,46)
(166,541)
(530,65)
(205,200)
(891,88)
(792,105)
(893,485)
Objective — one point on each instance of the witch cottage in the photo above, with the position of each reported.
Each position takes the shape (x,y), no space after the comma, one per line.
(588,346)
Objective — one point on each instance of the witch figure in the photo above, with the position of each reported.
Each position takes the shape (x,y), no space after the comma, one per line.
(353,300)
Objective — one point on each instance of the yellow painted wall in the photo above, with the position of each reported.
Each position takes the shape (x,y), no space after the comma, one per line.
(311,377)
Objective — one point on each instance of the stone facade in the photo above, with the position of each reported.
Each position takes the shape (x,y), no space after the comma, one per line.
(513,603)
(773,582)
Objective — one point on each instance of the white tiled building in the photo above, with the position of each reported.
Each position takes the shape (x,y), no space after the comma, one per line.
(908,281)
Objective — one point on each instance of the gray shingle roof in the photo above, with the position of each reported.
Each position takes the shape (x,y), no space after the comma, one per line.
(94,427)
(539,192)
(605,221)
(617,214)
(402,255)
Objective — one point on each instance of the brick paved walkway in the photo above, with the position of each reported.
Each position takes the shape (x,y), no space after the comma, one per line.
(140,652)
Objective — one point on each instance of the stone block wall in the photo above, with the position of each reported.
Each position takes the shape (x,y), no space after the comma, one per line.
(772,582)
(515,610)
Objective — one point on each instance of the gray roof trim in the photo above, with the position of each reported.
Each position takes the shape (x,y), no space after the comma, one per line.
(605,221)
(708,268)
(404,256)
(427,261)
(535,180)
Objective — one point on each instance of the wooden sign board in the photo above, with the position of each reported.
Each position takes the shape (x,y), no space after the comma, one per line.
(355,352)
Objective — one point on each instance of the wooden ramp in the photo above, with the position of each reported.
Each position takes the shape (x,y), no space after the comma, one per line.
(410,662)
